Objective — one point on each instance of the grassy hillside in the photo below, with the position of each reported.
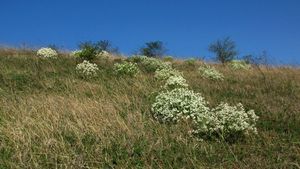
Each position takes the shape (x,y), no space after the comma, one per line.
(51,118)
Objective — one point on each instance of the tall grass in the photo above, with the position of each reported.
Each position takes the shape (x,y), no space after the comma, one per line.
(51,118)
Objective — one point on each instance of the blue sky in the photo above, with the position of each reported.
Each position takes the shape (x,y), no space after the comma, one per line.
(186,27)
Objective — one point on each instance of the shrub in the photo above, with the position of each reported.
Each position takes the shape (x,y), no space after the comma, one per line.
(76,53)
(136,58)
(164,74)
(104,54)
(175,82)
(126,68)
(87,69)
(153,49)
(153,64)
(239,64)
(228,122)
(47,53)
(88,51)
(225,49)
(168,59)
(191,61)
(210,72)
(177,104)
(224,122)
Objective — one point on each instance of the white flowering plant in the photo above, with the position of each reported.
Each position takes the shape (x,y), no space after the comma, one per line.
(104,54)
(153,64)
(224,122)
(47,53)
(210,73)
(227,122)
(164,74)
(87,69)
(175,82)
(126,68)
(239,65)
(178,104)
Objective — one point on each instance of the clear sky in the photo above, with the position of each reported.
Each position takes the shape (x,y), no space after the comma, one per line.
(187,27)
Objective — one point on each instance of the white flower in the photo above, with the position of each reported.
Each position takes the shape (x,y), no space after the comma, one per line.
(47,53)
(239,64)
(153,64)
(227,120)
(175,82)
(126,68)
(104,54)
(210,73)
(224,121)
(87,69)
(164,74)
(177,104)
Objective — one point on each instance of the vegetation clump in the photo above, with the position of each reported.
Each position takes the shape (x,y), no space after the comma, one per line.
(154,49)
(227,122)
(126,68)
(225,49)
(47,53)
(210,72)
(177,104)
(175,82)
(87,69)
(153,64)
(165,73)
(239,65)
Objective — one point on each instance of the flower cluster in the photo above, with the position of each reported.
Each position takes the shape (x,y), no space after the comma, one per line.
(210,73)
(164,74)
(153,64)
(223,122)
(87,69)
(239,65)
(177,104)
(47,53)
(104,54)
(227,122)
(126,68)
(190,61)
(175,82)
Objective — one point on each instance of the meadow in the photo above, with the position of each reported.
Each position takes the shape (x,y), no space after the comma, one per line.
(52,118)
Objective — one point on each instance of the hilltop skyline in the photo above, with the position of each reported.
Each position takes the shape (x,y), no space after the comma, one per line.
(186,28)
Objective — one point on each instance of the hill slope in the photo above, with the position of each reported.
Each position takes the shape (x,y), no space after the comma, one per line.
(50,117)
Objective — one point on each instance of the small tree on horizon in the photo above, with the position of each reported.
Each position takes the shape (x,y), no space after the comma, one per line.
(106,45)
(225,49)
(153,49)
